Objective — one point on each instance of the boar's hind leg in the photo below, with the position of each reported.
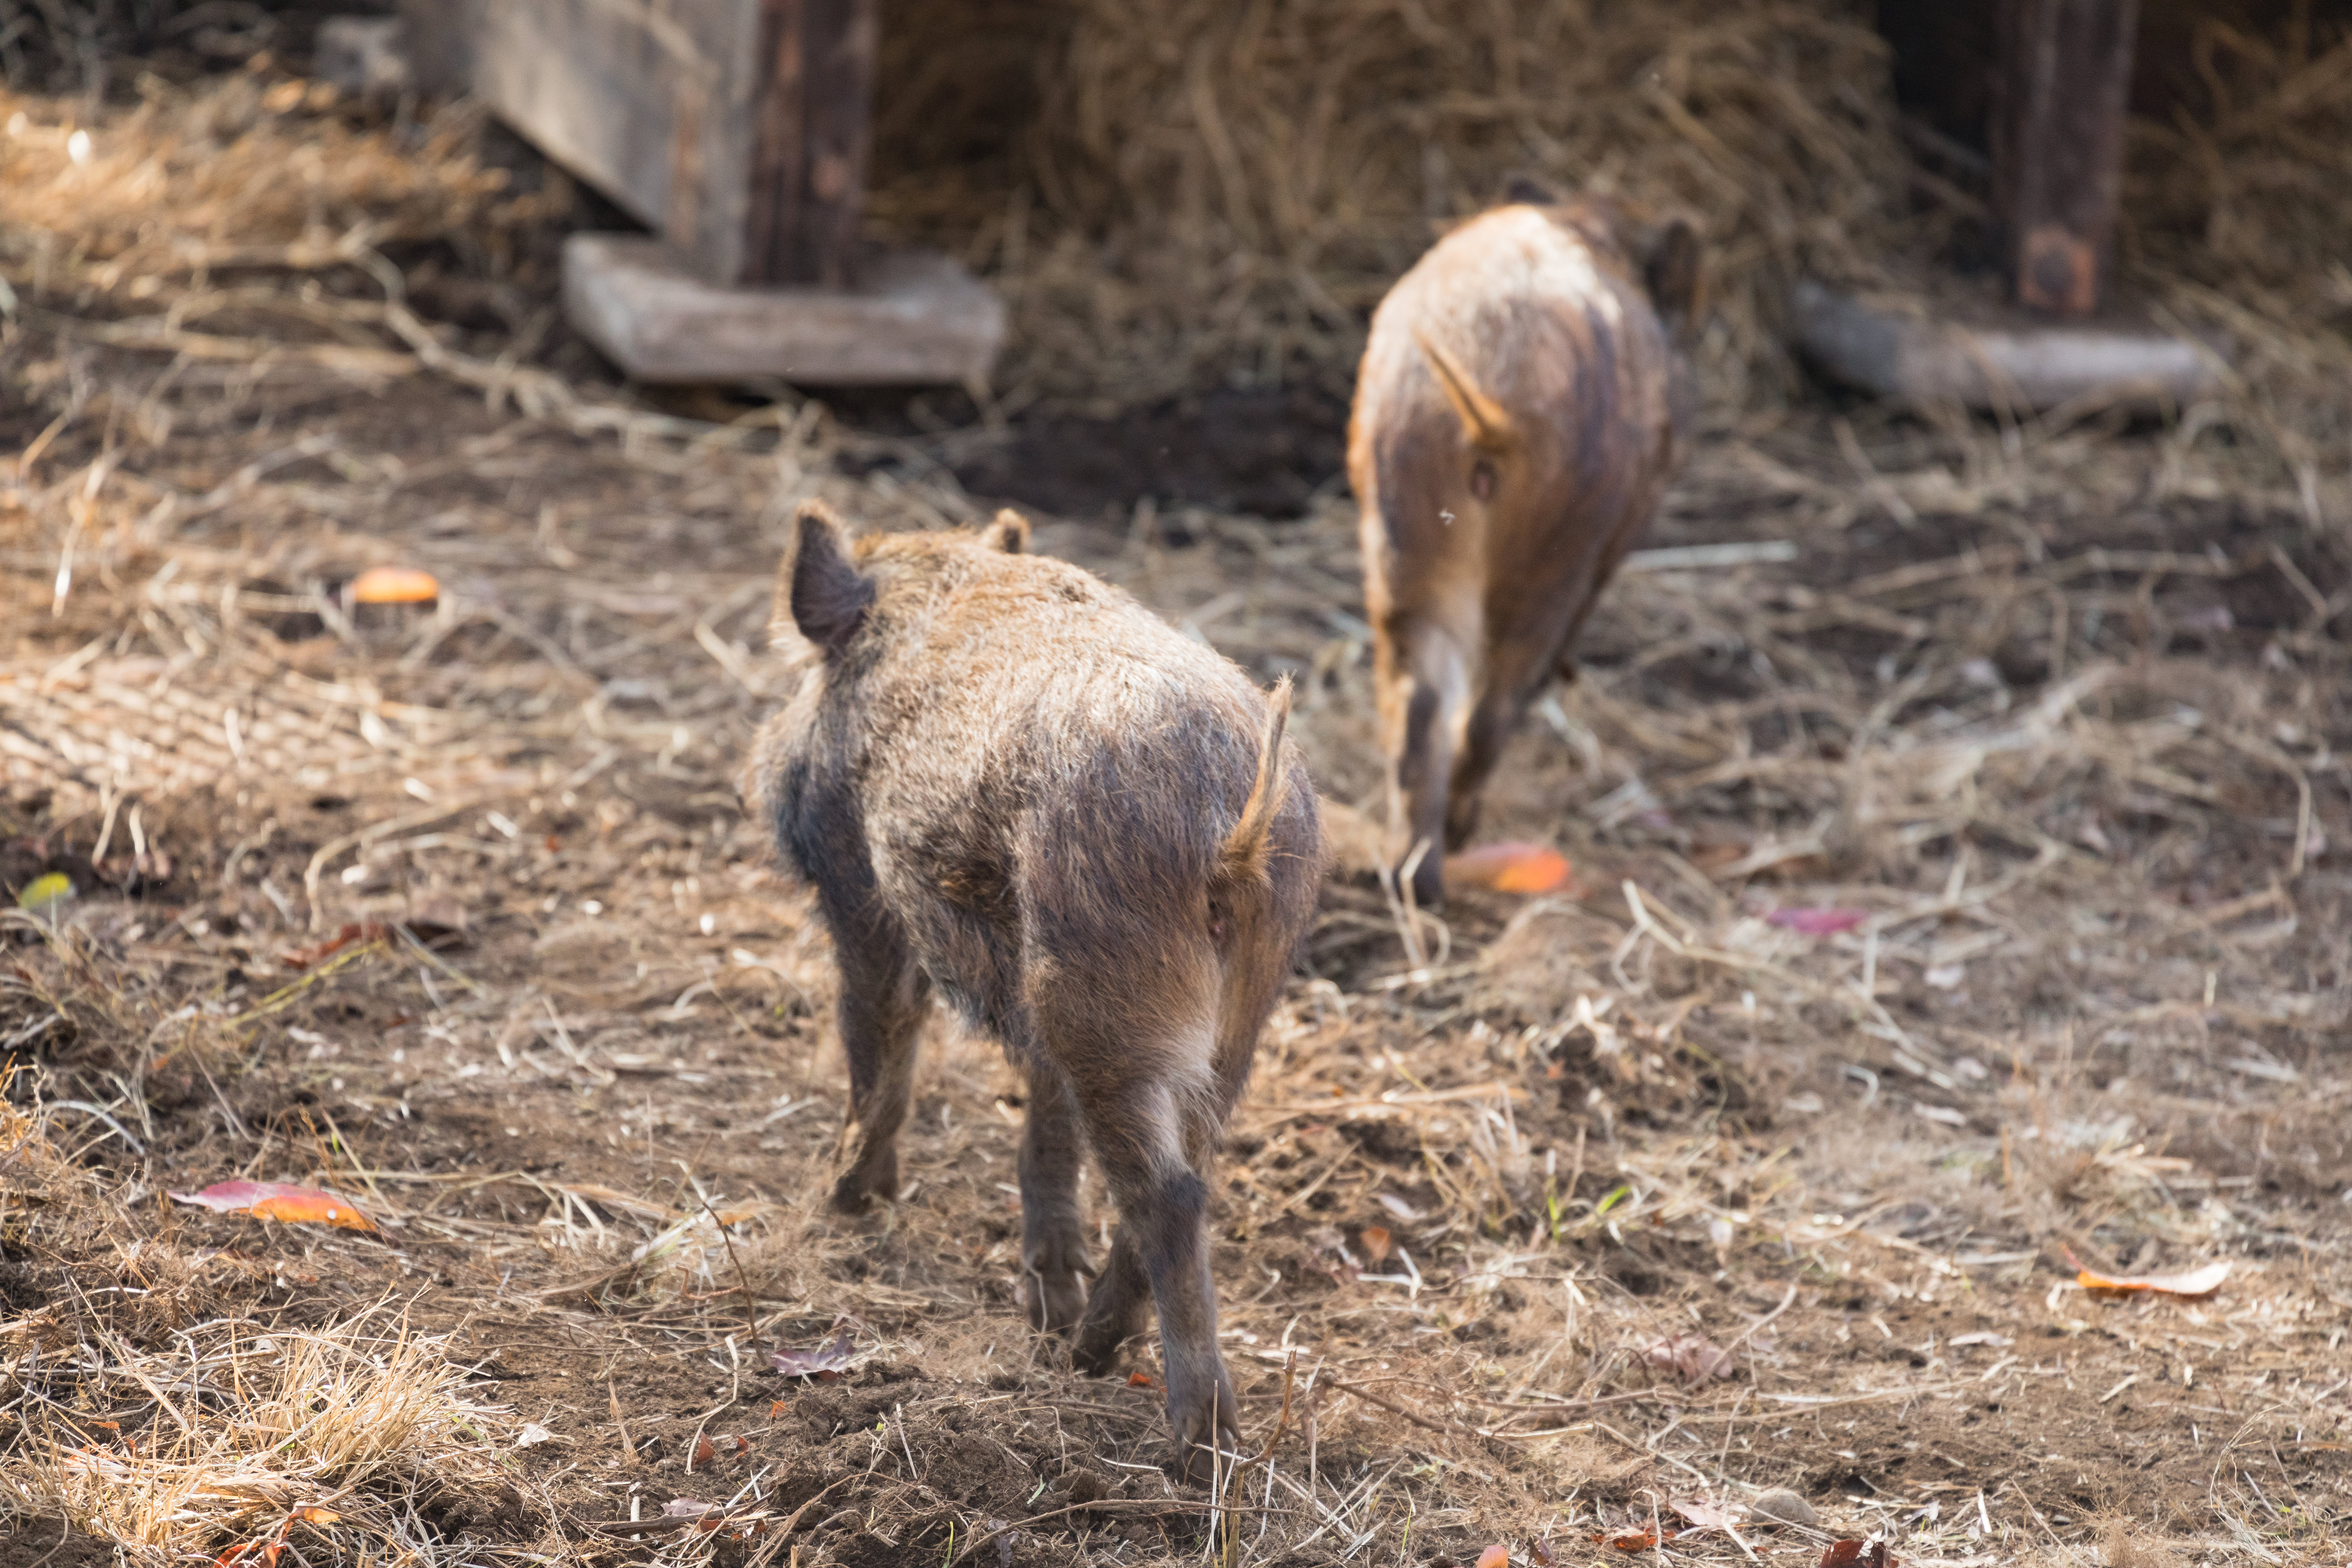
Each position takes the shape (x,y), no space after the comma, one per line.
(883,998)
(1489,730)
(1163,1243)
(1052,1233)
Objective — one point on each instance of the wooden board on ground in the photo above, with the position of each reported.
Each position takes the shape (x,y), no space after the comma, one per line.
(914,318)
(2014,363)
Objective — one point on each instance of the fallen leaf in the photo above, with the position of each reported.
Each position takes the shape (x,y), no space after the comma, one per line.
(703,1452)
(394,586)
(688,1507)
(280,1201)
(775,1408)
(1703,1515)
(1141,1380)
(2196,1282)
(1695,1356)
(1540,1553)
(42,892)
(1633,1540)
(362,932)
(1495,1556)
(1510,868)
(1856,1554)
(1376,1242)
(316,1515)
(826,1361)
(534,1434)
(742,1446)
(1818,921)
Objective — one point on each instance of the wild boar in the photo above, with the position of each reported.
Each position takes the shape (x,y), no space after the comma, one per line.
(1515,418)
(1013,786)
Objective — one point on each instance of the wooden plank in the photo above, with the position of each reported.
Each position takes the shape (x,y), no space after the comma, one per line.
(2015,366)
(812,137)
(651,101)
(2058,101)
(914,318)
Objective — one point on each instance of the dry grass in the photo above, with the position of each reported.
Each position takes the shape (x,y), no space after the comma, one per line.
(2058,713)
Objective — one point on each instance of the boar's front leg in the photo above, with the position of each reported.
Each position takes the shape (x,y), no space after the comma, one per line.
(883,998)
(1052,1232)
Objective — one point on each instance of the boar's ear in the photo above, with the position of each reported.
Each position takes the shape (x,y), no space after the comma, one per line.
(1009,532)
(828,595)
(1670,270)
(1527,190)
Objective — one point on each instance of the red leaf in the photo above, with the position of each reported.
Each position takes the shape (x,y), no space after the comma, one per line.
(1141,1380)
(1855,1555)
(1817,922)
(280,1201)
(703,1452)
(1540,1553)
(1376,1242)
(369,930)
(742,1446)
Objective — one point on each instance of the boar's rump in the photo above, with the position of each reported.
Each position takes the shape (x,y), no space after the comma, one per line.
(1010,783)
(1516,419)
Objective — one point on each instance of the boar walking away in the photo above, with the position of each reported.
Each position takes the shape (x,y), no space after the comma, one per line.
(1515,418)
(1012,785)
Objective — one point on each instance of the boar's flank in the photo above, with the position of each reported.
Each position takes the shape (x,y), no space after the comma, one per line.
(1514,423)
(1010,783)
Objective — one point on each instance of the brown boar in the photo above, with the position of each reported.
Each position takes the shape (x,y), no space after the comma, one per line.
(1013,786)
(1515,418)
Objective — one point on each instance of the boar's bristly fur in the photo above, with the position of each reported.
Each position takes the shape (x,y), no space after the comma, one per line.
(1515,418)
(1012,785)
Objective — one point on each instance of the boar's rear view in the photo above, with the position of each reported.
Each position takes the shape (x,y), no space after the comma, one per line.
(1513,425)
(1011,784)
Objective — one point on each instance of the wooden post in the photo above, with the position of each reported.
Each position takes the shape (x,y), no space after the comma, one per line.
(2059,99)
(811,139)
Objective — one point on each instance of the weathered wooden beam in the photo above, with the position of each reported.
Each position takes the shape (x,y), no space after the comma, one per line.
(811,139)
(2015,365)
(2058,99)
(913,318)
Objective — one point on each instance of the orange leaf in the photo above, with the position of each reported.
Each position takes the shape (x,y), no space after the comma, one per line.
(775,1408)
(277,1200)
(2196,1282)
(1376,1242)
(1141,1380)
(316,1515)
(1633,1540)
(1510,868)
(1495,1556)
(394,586)
(369,930)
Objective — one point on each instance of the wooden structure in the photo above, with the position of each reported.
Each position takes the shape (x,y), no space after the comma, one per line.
(2049,84)
(2059,99)
(737,131)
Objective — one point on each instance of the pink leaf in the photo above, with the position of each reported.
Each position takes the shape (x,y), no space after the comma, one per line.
(818,1362)
(1817,922)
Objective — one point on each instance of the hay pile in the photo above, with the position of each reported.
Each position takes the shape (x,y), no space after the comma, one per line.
(1221,194)
(2235,215)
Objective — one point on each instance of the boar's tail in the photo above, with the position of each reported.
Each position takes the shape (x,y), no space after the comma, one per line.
(1486,424)
(1243,855)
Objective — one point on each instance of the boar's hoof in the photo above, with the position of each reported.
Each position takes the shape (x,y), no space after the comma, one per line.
(866,1186)
(1054,1295)
(1202,1416)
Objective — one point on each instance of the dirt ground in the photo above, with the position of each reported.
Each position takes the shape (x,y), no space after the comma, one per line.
(1961,901)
